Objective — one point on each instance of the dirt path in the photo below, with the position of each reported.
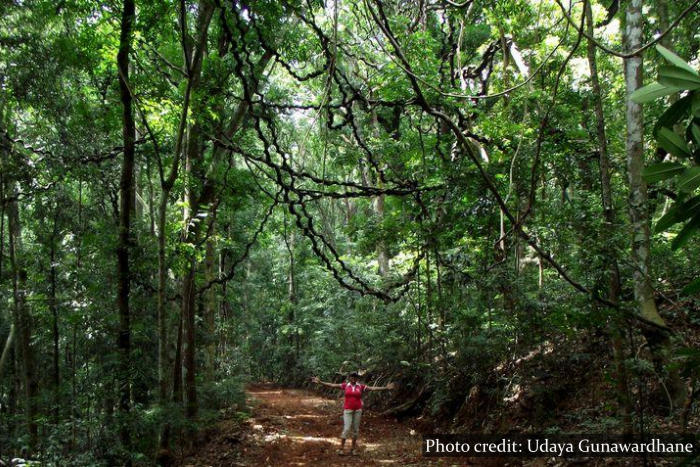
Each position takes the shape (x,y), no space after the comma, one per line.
(297,427)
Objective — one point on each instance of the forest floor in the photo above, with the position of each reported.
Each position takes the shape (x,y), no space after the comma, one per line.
(289,427)
(298,427)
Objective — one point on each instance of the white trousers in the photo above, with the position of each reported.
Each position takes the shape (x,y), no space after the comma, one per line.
(351,423)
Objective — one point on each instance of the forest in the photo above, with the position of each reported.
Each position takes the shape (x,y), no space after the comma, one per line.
(489,209)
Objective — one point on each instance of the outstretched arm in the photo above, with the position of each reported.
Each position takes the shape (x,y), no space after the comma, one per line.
(381,388)
(316,380)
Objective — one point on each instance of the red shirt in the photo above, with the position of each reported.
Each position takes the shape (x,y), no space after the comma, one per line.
(353,395)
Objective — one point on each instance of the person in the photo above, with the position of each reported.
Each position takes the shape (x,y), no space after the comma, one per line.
(352,406)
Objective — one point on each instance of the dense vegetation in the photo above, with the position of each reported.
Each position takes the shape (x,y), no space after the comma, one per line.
(197,194)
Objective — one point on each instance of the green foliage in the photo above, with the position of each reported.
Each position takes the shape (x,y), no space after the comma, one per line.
(686,210)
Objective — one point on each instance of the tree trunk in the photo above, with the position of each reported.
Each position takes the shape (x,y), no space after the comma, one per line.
(292,358)
(126,189)
(53,305)
(164,455)
(8,346)
(177,365)
(11,334)
(162,321)
(193,167)
(614,286)
(191,235)
(658,340)
(23,322)
(188,321)
(210,311)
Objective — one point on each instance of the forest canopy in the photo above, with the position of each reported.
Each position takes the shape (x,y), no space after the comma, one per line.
(494,203)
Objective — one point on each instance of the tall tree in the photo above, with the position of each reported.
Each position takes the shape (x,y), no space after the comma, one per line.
(609,214)
(658,339)
(195,174)
(23,319)
(192,56)
(126,196)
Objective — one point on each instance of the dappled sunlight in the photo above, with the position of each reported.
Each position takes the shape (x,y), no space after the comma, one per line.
(272,437)
(258,392)
(372,446)
(304,439)
(316,401)
(281,398)
(302,416)
(298,439)
(314,439)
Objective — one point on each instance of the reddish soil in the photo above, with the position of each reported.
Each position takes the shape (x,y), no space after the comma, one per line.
(298,427)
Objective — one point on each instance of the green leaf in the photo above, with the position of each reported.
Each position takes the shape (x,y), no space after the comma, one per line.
(678,77)
(672,143)
(692,288)
(673,114)
(686,232)
(695,130)
(674,59)
(662,171)
(678,213)
(652,92)
(668,219)
(690,179)
(695,105)
(690,207)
